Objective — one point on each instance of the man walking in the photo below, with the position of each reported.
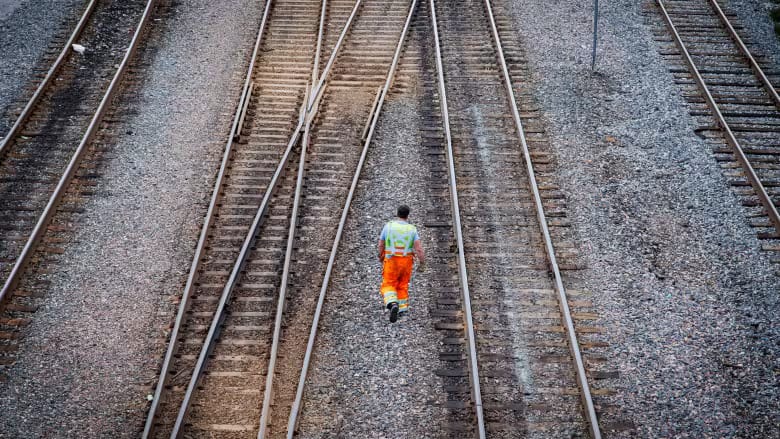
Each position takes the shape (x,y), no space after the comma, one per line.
(399,243)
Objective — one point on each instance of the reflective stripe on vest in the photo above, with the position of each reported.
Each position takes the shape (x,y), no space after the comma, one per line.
(400,239)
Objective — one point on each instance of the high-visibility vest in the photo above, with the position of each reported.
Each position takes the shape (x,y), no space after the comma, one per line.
(400,239)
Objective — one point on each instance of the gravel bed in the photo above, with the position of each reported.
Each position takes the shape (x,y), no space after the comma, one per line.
(93,350)
(758,27)
(27,28)
(688,299)
(370,378)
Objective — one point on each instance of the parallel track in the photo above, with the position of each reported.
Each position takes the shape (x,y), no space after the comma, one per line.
(231,399)
(55,131)
(502,235)
(519,370)
(723,80)
(268,112)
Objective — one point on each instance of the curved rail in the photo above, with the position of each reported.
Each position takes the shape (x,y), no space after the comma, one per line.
(55,67)
(476,393)
(75,161)
(269,379)
(750,173)
(582,379)
(374,116)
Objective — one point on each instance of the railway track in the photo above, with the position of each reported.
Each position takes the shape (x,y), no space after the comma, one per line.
(61,39)
(507,367)
(281,68)
(722,80)
(46,148)
(500,207)
(240,381)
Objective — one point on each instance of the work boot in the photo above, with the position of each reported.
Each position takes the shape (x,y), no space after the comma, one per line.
(393,312)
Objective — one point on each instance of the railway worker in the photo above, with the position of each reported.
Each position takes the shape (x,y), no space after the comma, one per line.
(399,244)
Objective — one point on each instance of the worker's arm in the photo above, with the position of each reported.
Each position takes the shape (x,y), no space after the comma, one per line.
(418,250)
(381,250)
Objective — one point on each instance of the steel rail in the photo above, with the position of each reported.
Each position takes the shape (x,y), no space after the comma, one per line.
(27,111)
(314,100)
(750,173)
(318,51)
(269,378)
(373,118)
(471,340)
(743,48)
(315,95)
(370,119)
(582,379)
(208,222)
(315,68)
(219,314)
(242,110)
(75,162)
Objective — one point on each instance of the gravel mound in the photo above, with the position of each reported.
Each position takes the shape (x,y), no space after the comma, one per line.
(93,351)
(675,269)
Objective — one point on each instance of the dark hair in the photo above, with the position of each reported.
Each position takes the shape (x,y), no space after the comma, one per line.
(403,211)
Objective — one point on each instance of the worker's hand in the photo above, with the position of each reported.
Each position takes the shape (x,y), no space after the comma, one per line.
(421,267)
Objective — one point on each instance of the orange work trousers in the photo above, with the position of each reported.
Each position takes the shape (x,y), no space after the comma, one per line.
(396,273)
